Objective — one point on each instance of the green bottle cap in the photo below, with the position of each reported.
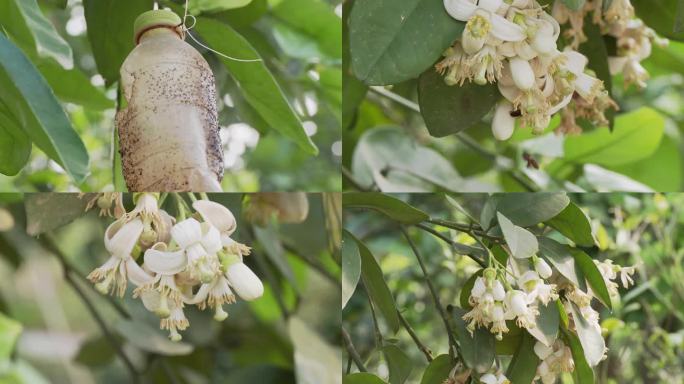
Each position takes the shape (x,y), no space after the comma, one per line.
(153,19)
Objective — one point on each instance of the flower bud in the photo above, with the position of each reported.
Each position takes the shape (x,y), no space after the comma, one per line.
(245,283)
(543,268)
(503,123)
(522,73)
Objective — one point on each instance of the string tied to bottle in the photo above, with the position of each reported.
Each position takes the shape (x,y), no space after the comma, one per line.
(185,30)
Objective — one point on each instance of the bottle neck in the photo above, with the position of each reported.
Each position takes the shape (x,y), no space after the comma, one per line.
(157,32)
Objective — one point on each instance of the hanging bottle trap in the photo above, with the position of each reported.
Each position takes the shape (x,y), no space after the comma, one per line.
(168,124)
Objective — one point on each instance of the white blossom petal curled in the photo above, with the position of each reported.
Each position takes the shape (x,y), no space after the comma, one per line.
(187,232)
(461,10)
(165,262)
(217,215)
(506,30)
(121,237)
(245,283)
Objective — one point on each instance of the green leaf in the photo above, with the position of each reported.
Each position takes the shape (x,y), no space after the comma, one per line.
(449,109)
(393,41)
(73,86)
(574,224)
(521,242)
(362,378)
(390,206)
(150,339)
(589,336)
(242,17)
(48,211)
(110,31)
(376,287)
(594,48)
(353,90)
(316,361)
(661,16)
(23,22)
(400,365)
(582,372)
(316,19)
(523,367)
(593,276)
(351,267)
(32,104)
(15,146)
(438,370)
(548,322)
(562,259)
(662,171)
(575,5)
(488,212)
(636,136)
(528,209)
(390,159)
(198,6)
(256,82)
(9,333)
(477,350)
(96,352)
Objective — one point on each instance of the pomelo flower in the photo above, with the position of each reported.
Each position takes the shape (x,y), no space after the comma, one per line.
(536,288)
(519,309)
(490,378)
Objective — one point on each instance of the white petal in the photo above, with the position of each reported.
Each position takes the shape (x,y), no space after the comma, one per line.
(187,232)
(460,9)
(166,263)
(506,30)
(522,73)
(542,351)
(617,64)
(211,241)
(561,105)
(490,5)
(544,43)
(488,378)
(217,215)
(478,288)
(151,299)
(136,274)
(199,296)
(498,291)
(244,282)
(503,123)
(576,62)
(120,239)
(585,85)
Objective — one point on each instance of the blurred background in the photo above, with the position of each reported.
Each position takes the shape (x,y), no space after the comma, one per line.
(644,333)
(299,41)
(48,332)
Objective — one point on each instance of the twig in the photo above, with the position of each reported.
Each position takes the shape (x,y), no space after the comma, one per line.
(449,241)
(433,291)
(47,242)
(462,228)
(352,351)
(426,351)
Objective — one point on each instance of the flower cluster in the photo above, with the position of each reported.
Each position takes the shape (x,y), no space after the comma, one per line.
(516,291)
(634,40)
(190,262)
(513,44)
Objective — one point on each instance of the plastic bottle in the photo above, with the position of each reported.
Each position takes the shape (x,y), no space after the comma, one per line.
(168,130)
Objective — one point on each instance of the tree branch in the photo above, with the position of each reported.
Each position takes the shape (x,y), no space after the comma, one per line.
(426,351)
(352,351)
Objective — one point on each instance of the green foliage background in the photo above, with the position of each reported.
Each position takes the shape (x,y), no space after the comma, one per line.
(267,139)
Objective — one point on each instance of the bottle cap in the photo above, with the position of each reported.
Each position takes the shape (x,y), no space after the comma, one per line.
(154,19)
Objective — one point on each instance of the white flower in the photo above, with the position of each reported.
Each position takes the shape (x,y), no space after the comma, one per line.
(482,22)
(542,268)
(166,265)
(120,239)
(503,123)
(201,243)
(490,378)
(498,317)
(626,276)
(175,322)
(485,297)
(522,73)
(245,283)
(517,308)
(536,288)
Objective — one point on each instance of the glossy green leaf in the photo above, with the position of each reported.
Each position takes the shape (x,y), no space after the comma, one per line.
(593,276)
(636,136)
(574,224)
(582,372)
(351,267)
(477,350)
(316,361)
(400,365)
(256,82)
(662,171)
(199,6)
(15,145)
(662,16)
(317,20)
(521,242)
(589,336)
(560,256)
(96,352)
(9,333)
(242,17)
(25,24)
(393,41)
(73,86)
(32,104)
(110,31)
(438,370)
(548,322)
(376,287)
(353,90)
(523,367)
(362,378)
(488,213)
(394,162)
(449,109)
(388,205)
(149,339)
(528,209)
